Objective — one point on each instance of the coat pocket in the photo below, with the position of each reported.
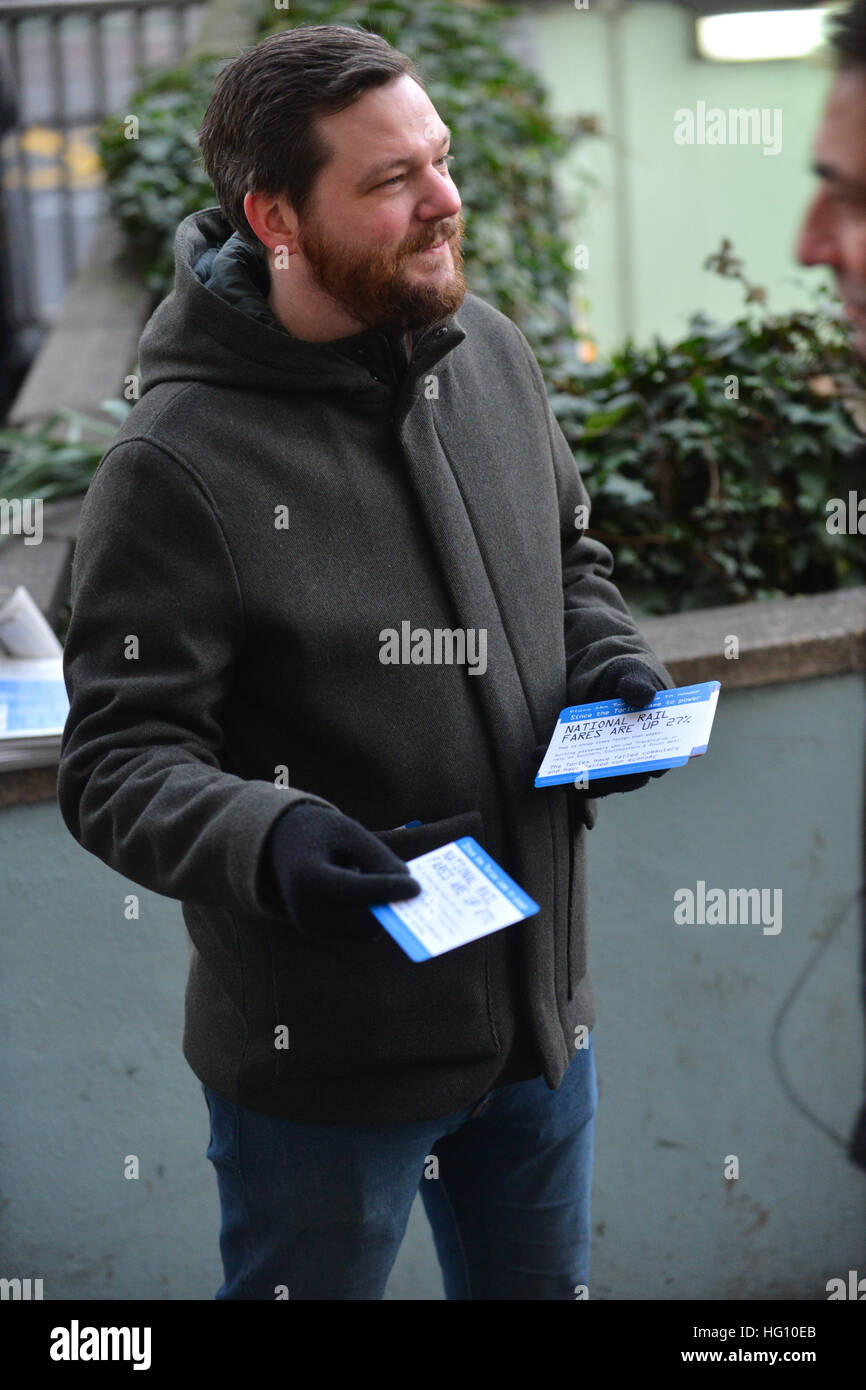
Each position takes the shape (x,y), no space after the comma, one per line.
(408,841)
(358,1007)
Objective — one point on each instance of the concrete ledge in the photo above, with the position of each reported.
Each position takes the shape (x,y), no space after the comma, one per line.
(94,342)
(33,784)
(783,639)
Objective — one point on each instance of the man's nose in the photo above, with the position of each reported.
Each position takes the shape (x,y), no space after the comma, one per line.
(817,242)
(442,201)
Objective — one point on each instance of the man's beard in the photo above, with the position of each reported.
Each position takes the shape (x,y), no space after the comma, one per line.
(372,286)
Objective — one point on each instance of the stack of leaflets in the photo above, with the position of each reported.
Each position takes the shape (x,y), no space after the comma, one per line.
(610,739)
(33,699)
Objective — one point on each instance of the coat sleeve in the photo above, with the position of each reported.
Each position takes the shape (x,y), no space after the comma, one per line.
(156,630)
(598,625)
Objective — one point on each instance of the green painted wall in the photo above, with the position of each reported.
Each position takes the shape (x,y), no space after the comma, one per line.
(660,208)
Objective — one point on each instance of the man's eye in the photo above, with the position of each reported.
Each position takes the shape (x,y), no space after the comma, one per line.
(443,159)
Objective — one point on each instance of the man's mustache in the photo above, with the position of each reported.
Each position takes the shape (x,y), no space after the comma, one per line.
(445,233)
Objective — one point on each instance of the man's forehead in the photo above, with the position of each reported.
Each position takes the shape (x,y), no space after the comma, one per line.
(388,112)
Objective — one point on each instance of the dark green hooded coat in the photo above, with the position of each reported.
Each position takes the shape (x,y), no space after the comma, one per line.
(267,510)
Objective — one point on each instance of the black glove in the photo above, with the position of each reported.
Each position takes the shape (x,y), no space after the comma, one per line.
(626,679)
(629,680)
(330,870)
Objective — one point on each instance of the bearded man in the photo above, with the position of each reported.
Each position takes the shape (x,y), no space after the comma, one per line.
(335,438)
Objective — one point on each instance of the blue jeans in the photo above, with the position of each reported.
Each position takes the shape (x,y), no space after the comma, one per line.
(315,1211)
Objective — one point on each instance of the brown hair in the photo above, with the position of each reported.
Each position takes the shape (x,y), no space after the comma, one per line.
(848,36)
(259,133)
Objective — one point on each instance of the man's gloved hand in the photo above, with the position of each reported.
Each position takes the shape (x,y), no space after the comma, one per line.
(630,680)
(626,679)
(330,870)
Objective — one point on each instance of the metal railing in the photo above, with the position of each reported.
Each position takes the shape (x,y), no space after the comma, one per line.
(69,65)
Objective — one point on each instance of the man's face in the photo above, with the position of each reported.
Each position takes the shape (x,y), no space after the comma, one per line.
(834,230)
(384,198)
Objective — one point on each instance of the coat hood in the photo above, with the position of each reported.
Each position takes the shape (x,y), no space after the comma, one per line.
(216,328)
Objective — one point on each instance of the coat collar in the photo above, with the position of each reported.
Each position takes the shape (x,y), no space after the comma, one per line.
(237,272)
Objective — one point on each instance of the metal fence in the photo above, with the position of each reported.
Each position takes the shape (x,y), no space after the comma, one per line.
(65,67)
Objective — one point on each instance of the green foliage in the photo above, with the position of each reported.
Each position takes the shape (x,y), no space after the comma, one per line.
(157,180)
(60,457)
(710,461)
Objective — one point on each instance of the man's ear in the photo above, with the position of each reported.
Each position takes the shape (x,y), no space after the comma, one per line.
(273,220)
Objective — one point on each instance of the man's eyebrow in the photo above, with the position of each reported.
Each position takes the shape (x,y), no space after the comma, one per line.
(830,174)
(386,165)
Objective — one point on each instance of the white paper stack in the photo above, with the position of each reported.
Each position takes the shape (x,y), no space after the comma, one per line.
(33,699)
(609,738)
